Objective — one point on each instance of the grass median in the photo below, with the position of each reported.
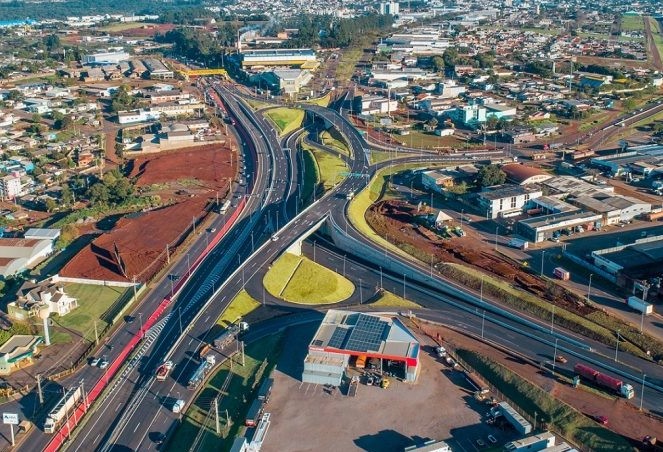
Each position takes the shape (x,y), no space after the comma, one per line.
(329,167)
(298,279)
(334,140)
(389,300)
(261,357)
(242,304)
(286,119)
(560,417)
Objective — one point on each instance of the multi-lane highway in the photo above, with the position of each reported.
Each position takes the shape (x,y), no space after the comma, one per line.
(136,408)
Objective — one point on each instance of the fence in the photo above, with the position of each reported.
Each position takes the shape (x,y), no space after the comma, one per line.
(94,282)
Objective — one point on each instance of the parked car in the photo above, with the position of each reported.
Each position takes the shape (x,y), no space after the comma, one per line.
(561,359)
(492,439)
(103,363)
(94,362)
(603,420)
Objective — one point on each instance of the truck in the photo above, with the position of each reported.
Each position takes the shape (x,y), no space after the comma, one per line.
(230,334)
(561,273)
(163,370)
(224,208)
(518,244)
(639,305)
(477,382)
(203,369)
(67,403)
(265,390)
(178,405)
(254,413)
(605,381)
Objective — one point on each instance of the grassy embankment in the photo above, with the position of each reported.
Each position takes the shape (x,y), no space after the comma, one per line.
(242,304)
(563,418)
(286,119)
(298,279)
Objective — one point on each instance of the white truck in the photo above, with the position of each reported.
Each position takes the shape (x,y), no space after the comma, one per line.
(639,305)
(230,334)
(68,402)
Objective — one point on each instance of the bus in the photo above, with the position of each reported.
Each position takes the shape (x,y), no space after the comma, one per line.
(224,208)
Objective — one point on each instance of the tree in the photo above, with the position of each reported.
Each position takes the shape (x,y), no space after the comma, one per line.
(68,234)
(67,196)
(50,204)
(63,123)
(491,175)
(52,42)
(438,63)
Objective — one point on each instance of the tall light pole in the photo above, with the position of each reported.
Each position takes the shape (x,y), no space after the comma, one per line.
(552,320)
(642,391)
(483,321)
(589,287)
(497,228)
(554,356)
(617,346)
(543,253)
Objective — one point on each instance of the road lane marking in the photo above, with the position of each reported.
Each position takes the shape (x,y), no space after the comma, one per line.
(137,425)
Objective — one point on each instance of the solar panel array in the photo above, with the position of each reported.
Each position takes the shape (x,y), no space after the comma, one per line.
(367,334)
(338,337)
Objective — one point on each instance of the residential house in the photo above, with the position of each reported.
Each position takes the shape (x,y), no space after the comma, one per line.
(33,295)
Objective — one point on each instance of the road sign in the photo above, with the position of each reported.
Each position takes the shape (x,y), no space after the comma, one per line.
(10,418)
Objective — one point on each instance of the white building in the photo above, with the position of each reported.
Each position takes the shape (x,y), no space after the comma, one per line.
(105,58)
(10,186)
(290,81)
(392,8)
(507,200)
(50,293)
(375,105)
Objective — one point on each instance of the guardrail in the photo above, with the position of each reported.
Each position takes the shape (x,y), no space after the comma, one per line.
(64,432)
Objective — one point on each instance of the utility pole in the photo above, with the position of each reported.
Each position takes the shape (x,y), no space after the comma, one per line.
(96,334)
(242,346)
(216,413)
(41,394)
(361,293)
(167,254)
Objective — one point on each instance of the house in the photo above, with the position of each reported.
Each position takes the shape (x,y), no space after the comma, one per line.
(436,180)
(18,352)
(32,296)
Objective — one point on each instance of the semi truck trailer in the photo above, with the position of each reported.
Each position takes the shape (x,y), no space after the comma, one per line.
(230,334)
(639,305)
(605,381)
(203,369)
(67,403)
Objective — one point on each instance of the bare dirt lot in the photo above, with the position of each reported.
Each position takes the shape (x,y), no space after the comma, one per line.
(306,417)
(624,417)
(186,181)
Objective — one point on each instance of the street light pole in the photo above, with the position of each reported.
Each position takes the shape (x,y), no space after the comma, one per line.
(589,287)
(642,391)
(617,346)
(543,253)
(497,228)
(483,321)
(554,356)
(552,320)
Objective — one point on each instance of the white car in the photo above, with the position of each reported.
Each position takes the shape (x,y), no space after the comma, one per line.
(103,363)
(94,362)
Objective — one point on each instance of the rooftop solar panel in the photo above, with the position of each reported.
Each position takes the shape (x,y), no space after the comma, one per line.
(367,334)
(338,337)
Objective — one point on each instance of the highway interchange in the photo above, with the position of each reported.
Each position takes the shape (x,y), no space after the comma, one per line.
(136,408)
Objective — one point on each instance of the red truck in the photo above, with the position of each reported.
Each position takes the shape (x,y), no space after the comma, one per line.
(605,381)
(163,370)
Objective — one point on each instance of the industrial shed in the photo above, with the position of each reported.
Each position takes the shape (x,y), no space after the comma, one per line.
(345,337)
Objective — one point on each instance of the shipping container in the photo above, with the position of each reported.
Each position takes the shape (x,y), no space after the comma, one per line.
(562,274)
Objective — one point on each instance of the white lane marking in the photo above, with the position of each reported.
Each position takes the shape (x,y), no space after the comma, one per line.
(137,425)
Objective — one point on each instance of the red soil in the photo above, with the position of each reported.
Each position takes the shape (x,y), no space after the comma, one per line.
(136,246)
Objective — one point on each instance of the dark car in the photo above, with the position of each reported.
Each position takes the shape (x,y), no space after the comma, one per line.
(129,319)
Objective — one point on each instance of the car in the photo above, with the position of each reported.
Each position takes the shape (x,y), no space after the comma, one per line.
(212,230)
(94,362)
(129,319)
(603,420)
(275,238)
(103,363)
(492,439)
(480,443)
(159,438)
(561,359)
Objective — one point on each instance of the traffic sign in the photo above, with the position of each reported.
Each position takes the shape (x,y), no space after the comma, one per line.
(10,418)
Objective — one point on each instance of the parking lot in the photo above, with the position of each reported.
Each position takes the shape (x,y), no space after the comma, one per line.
(439,406)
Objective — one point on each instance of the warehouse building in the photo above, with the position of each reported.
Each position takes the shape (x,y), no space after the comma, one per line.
(304,58)
(346,338)
(524,175)
(503,201)
(539,229)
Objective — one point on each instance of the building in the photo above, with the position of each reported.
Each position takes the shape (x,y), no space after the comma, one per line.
(641,260)
(436,180)
(31,296)
(279,57)
(103,58)
(18,352)
(430,446)
(157,70)
(468,115)
(290,81)
(613,208)
(42,234)
(16,255)
(10,186)
(541,228)
(571,186)
(507,200)
(376,105)
(156,112)
(392,8)
(344,337)
(523,174)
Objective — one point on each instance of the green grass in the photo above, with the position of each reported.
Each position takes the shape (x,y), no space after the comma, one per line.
(334,140)
(329,167)
(286,119)
(311,177)
(347,63)
(93,302)
(564,419)
(261,357)
(321,101)
(256,104)
(593,121)
(420,140)
(298,279)
(389,300)
(657,34)
(123,26)
(242,304)
(632,23)
(648,120)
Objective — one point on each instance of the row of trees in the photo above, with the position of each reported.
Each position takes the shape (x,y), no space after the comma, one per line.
(330,32)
